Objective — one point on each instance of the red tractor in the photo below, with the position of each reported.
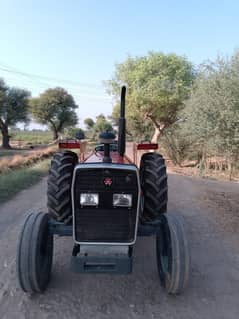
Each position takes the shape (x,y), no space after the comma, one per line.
(104,202)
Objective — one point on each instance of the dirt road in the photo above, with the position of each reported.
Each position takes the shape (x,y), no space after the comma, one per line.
(211,212)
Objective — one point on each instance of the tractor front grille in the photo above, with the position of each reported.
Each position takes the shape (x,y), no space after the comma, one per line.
(105,223)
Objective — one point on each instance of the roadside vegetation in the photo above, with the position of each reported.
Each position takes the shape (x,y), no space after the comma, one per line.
(192,112)
(10,163)
(93,128)
(21,138)
(208,132)
(14,181)
(54,108)
(20,171)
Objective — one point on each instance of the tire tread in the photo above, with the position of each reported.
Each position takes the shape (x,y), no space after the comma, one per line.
(154,186)
(59,186)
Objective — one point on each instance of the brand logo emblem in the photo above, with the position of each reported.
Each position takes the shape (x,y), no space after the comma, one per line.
(108,181)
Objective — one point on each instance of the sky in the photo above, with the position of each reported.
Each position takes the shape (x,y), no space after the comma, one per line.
(76,44)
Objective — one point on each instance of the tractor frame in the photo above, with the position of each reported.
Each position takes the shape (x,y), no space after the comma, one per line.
(35,246)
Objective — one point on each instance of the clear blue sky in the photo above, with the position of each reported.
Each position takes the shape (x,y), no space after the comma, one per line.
(80,41)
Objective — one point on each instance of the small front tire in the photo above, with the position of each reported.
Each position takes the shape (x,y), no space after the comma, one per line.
(173,256)
(34,254)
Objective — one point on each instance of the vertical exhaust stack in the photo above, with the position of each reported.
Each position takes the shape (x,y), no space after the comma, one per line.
(122,123)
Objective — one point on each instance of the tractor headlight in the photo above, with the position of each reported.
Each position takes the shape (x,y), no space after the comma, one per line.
(122,200)
(89,199)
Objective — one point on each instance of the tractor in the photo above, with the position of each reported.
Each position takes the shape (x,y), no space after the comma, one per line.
(104,201)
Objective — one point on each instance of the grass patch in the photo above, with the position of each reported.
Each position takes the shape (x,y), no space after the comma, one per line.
(15,181)
(32,137)
(25,159)
(26,138)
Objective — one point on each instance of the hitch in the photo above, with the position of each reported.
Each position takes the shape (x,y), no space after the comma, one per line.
(102,259)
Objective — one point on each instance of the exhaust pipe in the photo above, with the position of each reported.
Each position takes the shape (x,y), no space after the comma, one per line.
(122,123)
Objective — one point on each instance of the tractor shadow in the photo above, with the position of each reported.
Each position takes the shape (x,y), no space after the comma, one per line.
(135,295)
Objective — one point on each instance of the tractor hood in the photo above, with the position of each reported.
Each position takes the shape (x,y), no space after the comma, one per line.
(97,157)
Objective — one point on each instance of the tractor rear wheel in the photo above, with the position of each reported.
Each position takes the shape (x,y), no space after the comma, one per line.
(59,186)
(173,256)
(153,178)
(34,253)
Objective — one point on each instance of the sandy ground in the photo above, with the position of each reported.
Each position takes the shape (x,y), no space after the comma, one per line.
(211,213)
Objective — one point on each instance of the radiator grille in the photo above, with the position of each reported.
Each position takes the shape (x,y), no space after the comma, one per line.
(105,223)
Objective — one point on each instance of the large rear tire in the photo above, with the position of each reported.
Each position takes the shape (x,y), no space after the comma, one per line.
(34,253)
(154,185)
(173,257)
(59,186)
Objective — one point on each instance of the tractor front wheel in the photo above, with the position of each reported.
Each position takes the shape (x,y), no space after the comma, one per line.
(173,257)
(34,253)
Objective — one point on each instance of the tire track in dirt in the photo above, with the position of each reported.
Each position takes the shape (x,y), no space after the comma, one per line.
(212,293)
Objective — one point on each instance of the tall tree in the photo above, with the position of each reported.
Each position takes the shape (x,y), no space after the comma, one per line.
(89,122)
(212,112)
(55,108)
(157,84)
(13,109)
(75,132)
(137,128)
(101,125)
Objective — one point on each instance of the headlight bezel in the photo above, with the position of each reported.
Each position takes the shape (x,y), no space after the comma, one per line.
(119,198)
(85,200)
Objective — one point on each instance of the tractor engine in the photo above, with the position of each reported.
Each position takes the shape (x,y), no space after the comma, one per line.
(105,199)
(105,211)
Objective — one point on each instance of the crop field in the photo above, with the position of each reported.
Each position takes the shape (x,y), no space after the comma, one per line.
(34,137)
(26,158)
(24,138)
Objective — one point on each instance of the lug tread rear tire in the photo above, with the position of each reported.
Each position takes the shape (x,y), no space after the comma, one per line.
(59,186)
(154,185)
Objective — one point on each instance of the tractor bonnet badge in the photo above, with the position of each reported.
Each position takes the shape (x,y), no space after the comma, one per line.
(108,181)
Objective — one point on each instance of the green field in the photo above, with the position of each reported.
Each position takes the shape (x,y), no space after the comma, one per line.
(31,137)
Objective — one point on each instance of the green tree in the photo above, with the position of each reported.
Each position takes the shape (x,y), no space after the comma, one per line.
(158,85)
(75,132)
(13,109)
(136,128)
(101,125)
(212,112)
(55,108)
(89,123)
